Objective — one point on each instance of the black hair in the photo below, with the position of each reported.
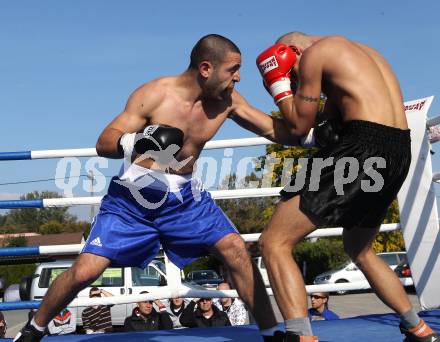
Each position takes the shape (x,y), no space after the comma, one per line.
(212,48)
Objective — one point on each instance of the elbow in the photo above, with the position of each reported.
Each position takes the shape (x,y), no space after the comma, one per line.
(100,148)
(104,149)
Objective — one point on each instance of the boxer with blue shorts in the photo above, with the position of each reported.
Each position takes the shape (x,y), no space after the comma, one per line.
(160,134)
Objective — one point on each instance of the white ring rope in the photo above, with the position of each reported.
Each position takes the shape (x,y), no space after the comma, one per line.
(319,233)
(187,292)
(91,152)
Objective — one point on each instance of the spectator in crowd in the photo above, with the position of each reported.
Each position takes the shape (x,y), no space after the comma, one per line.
(175,308)
(233,307)
(97,319)
(206,315)
(3,325)
(145,317)
(319,309)
(63,323)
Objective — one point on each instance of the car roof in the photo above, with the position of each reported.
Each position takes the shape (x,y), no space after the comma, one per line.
(68,263)
(384,253)
(203,271)
(57,263)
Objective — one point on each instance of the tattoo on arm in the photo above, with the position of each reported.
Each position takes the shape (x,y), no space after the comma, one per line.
(308,98)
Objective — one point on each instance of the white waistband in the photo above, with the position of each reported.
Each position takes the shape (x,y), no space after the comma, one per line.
(165,180)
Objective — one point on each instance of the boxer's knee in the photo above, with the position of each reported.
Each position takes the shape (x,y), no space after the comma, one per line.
(233,250)
(87,269)
(82,276)
(271,245)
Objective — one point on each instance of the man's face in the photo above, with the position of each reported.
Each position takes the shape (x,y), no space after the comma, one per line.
(177,302)
(145,308)
(224,301)
(318,300)
(220,84)
(205,304)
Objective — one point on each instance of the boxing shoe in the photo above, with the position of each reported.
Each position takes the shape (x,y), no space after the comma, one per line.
(421,333)
(292,337)
(277,337)
(29,334)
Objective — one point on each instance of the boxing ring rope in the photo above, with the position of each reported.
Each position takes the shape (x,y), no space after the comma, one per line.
(91,152)
(175,288)
(182,292)
(76,248)
(70,201)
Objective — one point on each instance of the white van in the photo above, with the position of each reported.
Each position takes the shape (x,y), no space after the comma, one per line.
(118,281)
(349,272)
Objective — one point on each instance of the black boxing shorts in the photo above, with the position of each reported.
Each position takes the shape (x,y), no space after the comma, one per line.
(353,182)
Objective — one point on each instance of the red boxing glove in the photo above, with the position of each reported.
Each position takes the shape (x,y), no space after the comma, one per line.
(275,64)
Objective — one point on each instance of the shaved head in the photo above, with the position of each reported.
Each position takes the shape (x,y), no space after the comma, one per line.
(212,48)
(295,38)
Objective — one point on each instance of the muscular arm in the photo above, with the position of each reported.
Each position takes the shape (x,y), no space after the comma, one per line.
(300,111)
(254,120)
(134,117)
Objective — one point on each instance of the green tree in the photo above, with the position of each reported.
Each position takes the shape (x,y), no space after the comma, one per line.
(317,257)
(390,241)
(14,273)
(246,213)
(73,226)
(18,241)
(30,219)
(204,263)
(2,220)
(51,227)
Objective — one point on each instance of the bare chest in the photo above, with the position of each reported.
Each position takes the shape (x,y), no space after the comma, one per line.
(197,124)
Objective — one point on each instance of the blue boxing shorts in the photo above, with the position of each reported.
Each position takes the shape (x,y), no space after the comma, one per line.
(144,209)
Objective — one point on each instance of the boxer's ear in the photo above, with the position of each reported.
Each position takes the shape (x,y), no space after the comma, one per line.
(205,69)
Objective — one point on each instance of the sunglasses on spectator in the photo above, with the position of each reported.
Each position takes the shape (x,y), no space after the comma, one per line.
(205,299)
(317,297)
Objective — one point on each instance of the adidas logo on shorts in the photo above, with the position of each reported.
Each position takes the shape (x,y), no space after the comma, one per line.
(96,242)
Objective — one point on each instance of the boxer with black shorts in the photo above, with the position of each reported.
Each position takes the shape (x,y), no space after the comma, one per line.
(155,200)
(364,158)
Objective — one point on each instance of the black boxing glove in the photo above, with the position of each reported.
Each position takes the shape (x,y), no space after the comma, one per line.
(327,133)
(152,138)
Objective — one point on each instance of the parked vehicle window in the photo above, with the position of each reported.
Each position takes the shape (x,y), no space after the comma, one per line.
(48,275)
(403,258)
(112,277)
(390,259)
(145,277)
(200,275)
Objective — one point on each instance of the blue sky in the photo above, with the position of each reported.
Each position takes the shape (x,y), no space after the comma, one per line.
(67,67)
